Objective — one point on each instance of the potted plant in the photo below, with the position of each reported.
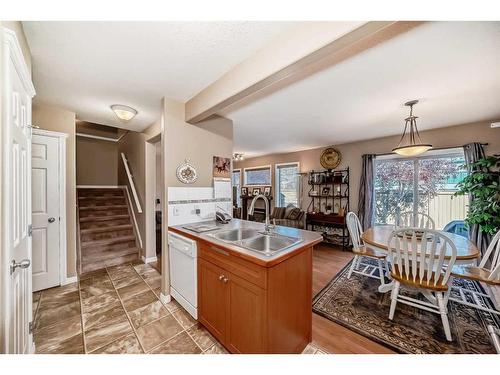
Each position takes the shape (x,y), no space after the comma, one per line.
(483,186)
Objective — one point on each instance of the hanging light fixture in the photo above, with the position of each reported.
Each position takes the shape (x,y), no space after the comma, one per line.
(412,145)
(237,157)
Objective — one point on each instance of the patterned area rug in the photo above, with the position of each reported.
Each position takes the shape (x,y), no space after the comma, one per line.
(356,304)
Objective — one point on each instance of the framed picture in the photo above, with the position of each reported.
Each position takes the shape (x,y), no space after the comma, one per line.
(222,167)
(326,190)
(255,191)
(267,191)
(244,191)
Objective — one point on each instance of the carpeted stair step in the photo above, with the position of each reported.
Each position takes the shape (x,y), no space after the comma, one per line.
(94,257)
(103,211)
(93,266)
(107,201)
(96,234)
(101,193)
(103,218)
(106,242)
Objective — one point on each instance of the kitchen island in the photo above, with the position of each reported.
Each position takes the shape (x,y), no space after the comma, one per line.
(255,301)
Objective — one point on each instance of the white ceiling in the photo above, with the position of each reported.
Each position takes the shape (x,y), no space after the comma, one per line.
(452,67)
(87,66)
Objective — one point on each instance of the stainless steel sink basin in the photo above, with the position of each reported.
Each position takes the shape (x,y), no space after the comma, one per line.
(234,235)
(270,244)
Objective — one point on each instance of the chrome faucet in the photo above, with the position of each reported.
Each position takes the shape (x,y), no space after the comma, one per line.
(267,228)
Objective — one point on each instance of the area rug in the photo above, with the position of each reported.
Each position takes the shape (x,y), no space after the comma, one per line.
(356,304)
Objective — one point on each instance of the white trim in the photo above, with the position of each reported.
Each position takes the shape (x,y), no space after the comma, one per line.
(165,299)
(276,182)
(131,183)
(16,54)
(49,133)
(69,280)
(269,166)
(83,135)
(98,186)
(63,248)
(134,219)
(149,259)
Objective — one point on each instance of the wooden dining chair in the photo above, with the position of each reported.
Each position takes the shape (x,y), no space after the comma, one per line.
(487,272)
(362,251)
(414,220)
(417,257)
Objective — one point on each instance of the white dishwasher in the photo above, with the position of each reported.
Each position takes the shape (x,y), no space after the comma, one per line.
(183,272)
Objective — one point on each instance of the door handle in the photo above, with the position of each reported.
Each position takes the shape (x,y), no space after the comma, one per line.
(25,263)
(52,219)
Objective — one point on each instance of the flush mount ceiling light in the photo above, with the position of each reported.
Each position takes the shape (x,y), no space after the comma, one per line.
(238,157)
(124,112)
(410,143)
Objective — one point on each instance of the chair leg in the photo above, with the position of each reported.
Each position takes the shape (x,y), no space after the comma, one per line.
(394,299)
(381,272)
(353,265)
(444,315)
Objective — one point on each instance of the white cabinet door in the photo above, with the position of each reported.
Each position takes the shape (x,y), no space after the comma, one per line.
(45,211)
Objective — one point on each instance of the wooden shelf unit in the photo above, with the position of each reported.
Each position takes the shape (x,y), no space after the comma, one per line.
(338,183)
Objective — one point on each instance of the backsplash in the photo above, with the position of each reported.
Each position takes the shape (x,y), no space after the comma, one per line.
(183,203)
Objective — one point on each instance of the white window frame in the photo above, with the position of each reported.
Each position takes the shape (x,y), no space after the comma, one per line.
(256,168)
(276,180)
(444,152)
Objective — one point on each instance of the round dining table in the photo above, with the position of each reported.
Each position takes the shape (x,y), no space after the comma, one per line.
(378,238)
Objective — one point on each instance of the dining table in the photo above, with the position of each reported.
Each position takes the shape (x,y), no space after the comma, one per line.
(378,236)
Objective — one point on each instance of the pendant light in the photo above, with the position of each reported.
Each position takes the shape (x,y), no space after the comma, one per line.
(412,145)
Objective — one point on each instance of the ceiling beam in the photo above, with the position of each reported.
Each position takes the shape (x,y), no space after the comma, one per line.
(292,56)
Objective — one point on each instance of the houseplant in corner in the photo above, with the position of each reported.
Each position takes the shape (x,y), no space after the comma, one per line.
(483,186)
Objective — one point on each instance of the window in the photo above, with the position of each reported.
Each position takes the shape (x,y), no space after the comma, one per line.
(422,184)
(287,184)
(258,176)
(236,181)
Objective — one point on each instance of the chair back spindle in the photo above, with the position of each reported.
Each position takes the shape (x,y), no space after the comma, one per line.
(492,254)
(355,230)
(412,219)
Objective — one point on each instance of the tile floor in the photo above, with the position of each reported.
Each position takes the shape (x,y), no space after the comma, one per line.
(118,310)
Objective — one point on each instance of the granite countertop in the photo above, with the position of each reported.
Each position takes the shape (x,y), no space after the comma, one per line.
(309,239)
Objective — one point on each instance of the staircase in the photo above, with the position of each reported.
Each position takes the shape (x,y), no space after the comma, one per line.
(105,228)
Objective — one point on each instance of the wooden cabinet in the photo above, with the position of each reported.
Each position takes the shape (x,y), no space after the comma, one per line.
(212,298)
(255,309)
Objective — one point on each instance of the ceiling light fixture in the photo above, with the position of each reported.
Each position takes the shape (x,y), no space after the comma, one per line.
(238,157)
(413,145)
(124,112)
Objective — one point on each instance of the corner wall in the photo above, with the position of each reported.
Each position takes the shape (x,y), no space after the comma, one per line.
(452,136)
(199,143)
(63,121)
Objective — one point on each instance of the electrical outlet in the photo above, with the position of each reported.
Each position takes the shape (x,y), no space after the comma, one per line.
(176,211)
(197,211)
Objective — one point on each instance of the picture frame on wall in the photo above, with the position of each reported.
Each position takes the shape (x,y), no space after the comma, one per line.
(244,191)
(255,191)
(326,190)
(267,191)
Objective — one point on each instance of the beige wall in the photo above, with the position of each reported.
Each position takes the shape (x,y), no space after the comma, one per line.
(351,153)
(63,121)
(96,162)
(198,143)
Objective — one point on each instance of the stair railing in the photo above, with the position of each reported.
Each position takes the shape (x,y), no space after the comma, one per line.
(131,183)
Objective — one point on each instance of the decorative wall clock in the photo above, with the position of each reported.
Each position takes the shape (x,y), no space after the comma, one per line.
(186,173)
(330,158)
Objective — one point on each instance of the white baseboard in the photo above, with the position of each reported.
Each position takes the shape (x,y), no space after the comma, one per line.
(149,260)
(165,299)
(69,280)
(98,186)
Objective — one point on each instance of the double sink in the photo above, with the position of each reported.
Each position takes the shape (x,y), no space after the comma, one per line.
(251,239)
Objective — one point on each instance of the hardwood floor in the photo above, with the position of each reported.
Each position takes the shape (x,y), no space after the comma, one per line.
(329,336)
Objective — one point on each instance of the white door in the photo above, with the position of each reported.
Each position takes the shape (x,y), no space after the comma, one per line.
(17,92)
(45,186)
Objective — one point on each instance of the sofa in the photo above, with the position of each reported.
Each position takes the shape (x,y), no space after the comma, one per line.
(289,216)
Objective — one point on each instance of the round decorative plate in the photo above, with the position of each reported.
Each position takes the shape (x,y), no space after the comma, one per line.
(186,173)
(330,158)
